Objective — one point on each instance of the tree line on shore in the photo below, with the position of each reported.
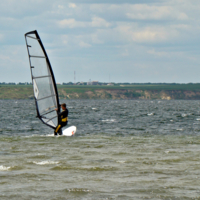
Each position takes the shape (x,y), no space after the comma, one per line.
(102,83)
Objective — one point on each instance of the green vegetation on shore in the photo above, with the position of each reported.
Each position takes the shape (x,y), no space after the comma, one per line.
(141,91)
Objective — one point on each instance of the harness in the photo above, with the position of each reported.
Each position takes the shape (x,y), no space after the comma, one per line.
(64,119)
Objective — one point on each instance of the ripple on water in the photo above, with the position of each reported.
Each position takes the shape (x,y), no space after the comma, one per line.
(46,162)
(78,190)
(118,152)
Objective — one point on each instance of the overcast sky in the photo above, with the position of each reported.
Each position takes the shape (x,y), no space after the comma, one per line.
(132,40)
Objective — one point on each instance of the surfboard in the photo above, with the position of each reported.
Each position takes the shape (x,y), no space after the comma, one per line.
(69,131)
(44,84)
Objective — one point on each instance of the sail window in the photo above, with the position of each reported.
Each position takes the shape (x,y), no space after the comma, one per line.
(44,86)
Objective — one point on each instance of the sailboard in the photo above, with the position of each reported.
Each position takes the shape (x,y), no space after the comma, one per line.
(44,84)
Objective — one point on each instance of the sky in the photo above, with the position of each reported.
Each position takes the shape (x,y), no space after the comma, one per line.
(132,41)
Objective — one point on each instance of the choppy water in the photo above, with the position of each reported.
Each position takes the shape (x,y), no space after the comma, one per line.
(122,150)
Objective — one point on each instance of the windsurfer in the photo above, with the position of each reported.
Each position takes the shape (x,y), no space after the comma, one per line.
(62,119)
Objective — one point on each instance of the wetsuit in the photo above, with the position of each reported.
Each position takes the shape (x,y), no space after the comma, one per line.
(62,121)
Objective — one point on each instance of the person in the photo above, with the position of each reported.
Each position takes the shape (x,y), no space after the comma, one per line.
(62,119)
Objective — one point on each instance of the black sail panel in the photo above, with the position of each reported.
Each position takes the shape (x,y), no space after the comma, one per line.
(44,85)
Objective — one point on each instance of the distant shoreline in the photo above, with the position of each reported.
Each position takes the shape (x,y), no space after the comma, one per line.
(150,91)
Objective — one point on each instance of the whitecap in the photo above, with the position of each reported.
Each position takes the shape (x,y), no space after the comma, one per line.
(198,119)
(3,168)
(150,114)
(121,161)
(36,135)
(79,190)
(184,115)
(46,162)
(35,122)
(94,108)
(49,135)
(179,129)
(108,120)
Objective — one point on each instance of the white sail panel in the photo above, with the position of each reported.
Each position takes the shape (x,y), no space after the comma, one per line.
(35,89)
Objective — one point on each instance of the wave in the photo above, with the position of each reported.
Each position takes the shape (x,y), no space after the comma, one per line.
(78,190)
(179,129)
(4,168)
(121,161)
(108,120)
(47,162)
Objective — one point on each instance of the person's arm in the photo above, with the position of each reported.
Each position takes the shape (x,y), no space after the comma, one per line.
(59,113)
(57,108)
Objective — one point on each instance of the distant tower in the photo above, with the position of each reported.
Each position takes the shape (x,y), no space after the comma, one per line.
(89,82)
(74,77)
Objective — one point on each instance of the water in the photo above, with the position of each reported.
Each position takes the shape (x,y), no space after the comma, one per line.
(122,150)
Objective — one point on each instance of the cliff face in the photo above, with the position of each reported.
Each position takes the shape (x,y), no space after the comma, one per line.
(26,92)
(132,94)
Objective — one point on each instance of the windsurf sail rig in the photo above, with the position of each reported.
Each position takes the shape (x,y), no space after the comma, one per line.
(44,85)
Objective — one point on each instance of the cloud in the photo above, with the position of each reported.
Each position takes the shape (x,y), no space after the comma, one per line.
(146,12)
(99,22)
(158,53)
(13,64)
(124,34)
(95,39)
(147,34)
(72,23)
(2,57)
(125,53)
(113,1)
(163,11)
(60,6)
(84,44)
(72,5)
(130,33)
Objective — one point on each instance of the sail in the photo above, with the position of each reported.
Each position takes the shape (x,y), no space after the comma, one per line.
(44,85)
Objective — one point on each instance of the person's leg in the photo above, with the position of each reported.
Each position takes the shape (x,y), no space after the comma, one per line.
(60,131)
(58,128)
